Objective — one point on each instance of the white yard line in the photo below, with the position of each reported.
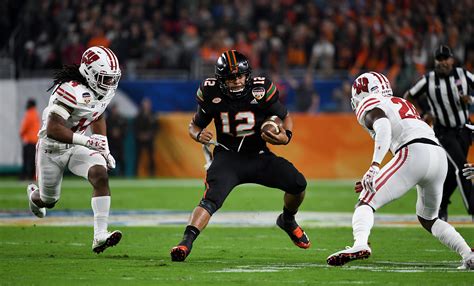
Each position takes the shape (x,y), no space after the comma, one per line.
(225,219)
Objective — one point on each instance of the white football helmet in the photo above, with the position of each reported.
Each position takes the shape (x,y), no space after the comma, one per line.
(369,84)
(100,67)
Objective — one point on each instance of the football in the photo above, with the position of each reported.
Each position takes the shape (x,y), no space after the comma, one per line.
(272,124)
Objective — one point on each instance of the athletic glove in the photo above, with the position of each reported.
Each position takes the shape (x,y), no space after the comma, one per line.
(95,141)
(110,160)
(105,152)
(468,172)
(368,179)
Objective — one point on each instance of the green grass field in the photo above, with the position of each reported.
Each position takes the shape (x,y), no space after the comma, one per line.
(222,255)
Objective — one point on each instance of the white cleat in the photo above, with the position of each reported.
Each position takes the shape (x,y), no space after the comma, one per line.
(468,263)
(105,240)
(37,211)
(350,253)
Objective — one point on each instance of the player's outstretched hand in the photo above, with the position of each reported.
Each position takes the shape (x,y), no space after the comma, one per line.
(358,187)
(368,179)
(275,139)
(205,136)
(468,171)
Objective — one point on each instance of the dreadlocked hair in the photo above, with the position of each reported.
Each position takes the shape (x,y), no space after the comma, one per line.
(68,73)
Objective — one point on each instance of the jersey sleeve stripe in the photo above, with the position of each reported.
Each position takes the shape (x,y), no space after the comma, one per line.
(67,93)
(366,104)
(271,92)
(199,95)
(66,97)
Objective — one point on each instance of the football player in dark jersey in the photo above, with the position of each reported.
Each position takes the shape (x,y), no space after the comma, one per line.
(239,104)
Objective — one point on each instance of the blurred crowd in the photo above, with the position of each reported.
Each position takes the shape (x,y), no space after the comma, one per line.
(392,36)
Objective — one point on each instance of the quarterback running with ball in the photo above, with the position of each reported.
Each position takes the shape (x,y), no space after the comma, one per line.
(238,104)
(418,160)
(79,98)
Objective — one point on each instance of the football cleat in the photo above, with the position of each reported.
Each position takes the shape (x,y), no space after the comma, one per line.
(294,231)
(468,262)
(350,253)
(37,211)
(105,240)
(179,253)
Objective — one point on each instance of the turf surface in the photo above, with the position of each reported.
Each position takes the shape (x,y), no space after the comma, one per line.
(222,255)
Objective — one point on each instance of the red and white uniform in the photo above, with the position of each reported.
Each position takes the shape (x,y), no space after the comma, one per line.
(53,156)
(420,164)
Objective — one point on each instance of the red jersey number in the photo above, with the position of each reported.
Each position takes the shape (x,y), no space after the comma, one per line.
(407,109)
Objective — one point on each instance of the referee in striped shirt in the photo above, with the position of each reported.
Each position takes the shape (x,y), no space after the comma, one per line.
(443,98)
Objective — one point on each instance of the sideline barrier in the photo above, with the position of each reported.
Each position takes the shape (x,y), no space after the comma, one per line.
(326,146)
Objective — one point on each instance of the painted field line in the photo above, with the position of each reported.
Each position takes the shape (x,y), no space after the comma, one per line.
(153,183)
(227,219)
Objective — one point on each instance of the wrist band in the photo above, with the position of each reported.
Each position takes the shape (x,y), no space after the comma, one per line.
(289,134)
(199,134)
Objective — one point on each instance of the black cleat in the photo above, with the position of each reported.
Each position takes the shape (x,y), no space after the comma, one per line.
(179,253)
(295,232)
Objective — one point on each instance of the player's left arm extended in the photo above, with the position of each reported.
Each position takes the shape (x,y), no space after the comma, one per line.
(377,120)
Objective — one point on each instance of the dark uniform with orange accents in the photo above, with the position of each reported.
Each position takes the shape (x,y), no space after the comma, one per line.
(237,122)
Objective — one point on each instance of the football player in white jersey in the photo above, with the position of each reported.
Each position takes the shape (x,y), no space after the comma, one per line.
(418,160)
(79,98)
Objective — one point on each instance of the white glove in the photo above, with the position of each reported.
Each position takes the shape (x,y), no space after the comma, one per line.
(105,152)
(99,143)
(95,142)
(110,160)
(368,179)
(468,172)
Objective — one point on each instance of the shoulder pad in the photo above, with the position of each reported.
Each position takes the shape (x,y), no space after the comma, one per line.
(264,90)
(207,90)
(366,105)
(66,94)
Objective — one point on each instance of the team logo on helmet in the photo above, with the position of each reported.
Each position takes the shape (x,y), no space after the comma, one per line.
(258,92)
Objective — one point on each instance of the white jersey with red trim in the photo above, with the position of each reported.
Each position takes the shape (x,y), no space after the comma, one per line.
(83,103)
(404,119)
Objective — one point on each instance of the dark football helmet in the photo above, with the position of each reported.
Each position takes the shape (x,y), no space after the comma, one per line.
(230,65)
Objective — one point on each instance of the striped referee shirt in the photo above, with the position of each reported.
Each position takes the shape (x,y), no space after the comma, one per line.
(444,96)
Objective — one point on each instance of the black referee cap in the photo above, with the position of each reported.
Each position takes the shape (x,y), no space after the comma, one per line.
(443,52)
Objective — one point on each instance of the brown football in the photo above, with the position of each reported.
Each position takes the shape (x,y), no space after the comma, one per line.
(272,124)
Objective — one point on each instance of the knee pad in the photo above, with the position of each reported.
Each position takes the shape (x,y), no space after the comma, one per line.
(300,184)
(209,206)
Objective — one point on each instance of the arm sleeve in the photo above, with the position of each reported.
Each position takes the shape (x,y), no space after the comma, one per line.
(419,88)
(383,135)
(277,108)
(201,118)
(469,78)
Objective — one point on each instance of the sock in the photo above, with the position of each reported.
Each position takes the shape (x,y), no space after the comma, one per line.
(362,223)
(100,207)
(288,215)
(190,234)
(450,237)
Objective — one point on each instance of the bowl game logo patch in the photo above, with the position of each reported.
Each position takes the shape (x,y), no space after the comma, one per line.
(216,100)
(87,97)
(258,92)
